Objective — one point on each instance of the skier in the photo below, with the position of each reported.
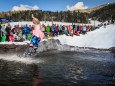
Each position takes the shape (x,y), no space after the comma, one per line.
(38,35)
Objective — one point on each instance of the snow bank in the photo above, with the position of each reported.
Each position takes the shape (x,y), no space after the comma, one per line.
(100,38)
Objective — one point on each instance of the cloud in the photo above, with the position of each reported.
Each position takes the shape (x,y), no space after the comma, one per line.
(24,7)
(79,5)
(68,6)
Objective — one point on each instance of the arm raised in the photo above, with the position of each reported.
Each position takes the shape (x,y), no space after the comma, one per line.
(35,20)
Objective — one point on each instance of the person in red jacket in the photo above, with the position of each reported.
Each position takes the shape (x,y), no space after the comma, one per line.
(80,29)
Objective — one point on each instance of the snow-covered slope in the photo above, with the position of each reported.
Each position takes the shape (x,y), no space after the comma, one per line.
(100,38)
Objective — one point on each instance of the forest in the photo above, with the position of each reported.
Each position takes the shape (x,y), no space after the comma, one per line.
(104,14)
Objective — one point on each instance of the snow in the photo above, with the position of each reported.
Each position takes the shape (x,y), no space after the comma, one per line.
(103,38)
(100,38)
(43,22)
(94,22)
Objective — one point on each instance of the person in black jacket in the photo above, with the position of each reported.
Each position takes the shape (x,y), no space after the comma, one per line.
(8,29)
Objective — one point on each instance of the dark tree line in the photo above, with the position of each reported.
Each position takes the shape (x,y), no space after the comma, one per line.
(65,16)
(106,13)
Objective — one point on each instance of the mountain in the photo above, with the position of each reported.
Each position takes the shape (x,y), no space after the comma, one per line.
(94,9)
(106,13)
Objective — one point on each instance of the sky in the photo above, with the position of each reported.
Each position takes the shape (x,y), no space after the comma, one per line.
(50,5)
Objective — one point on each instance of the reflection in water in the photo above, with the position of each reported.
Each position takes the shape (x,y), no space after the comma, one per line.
(36,76)
(75,72)
(18,70)
(16,74)
(91,68)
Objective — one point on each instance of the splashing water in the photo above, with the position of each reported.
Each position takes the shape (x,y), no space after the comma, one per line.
(50,44)
(26,60)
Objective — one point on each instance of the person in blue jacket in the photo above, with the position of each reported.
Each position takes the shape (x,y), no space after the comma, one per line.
(55,30)
(26,31)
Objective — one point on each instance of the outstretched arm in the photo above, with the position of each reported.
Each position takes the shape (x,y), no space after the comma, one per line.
(35,19)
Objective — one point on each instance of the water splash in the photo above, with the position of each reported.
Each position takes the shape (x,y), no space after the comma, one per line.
(50,44)
(15,58)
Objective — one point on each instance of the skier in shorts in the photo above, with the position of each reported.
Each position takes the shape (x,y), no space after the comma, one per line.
(38,35)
